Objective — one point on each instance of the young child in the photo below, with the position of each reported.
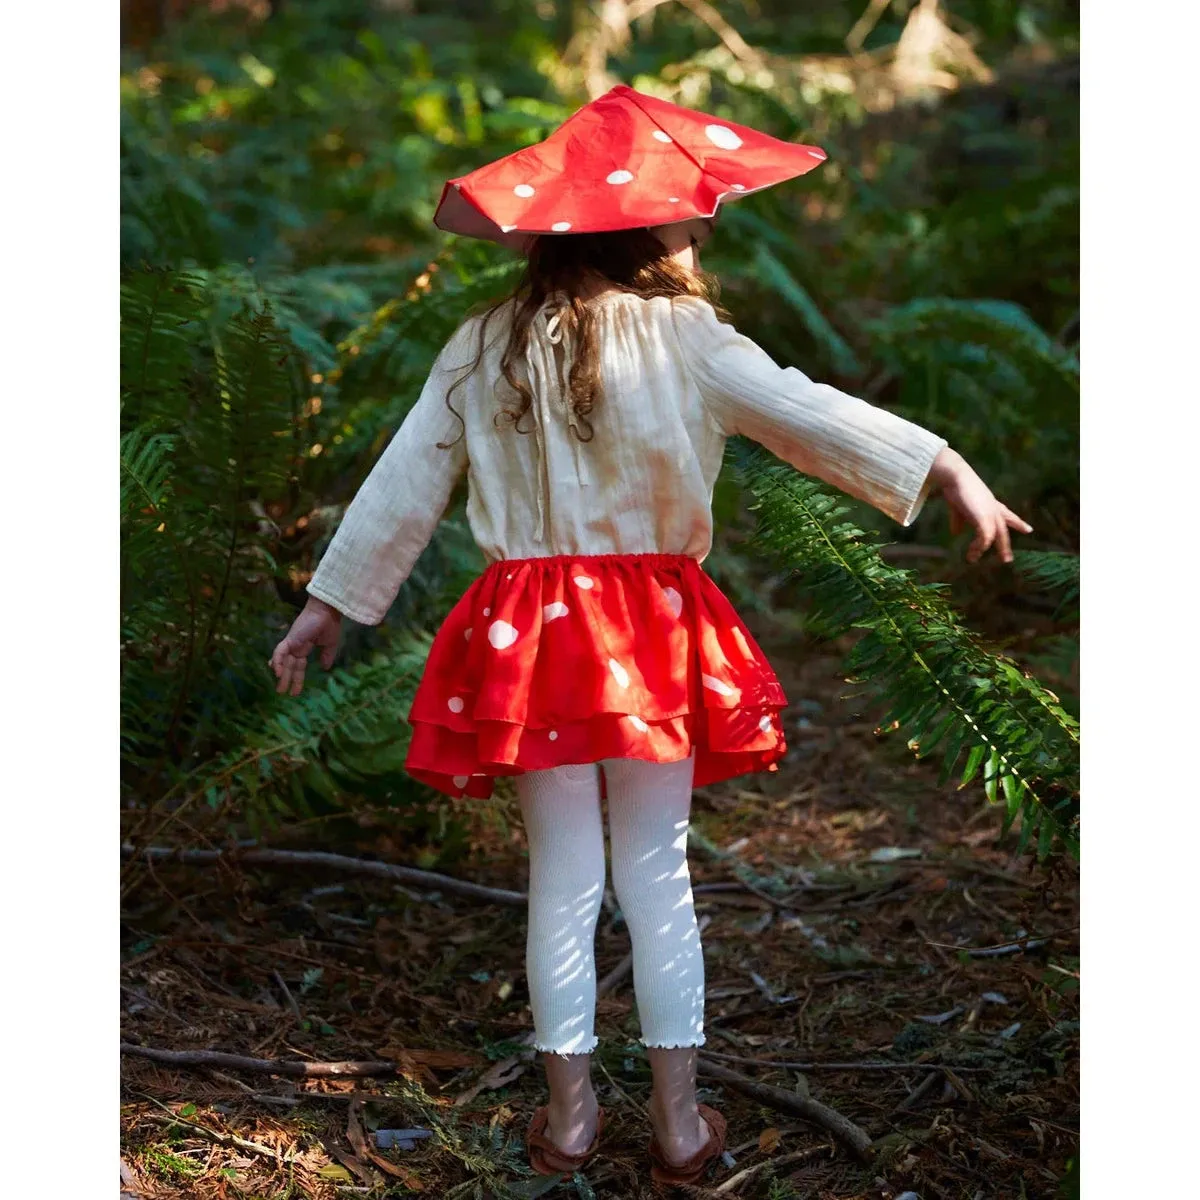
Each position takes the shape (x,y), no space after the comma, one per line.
(594,656)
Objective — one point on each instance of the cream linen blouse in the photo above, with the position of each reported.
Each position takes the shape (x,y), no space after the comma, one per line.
(677,383)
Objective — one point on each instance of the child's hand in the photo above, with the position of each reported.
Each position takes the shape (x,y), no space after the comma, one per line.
(318,624)
(971,503)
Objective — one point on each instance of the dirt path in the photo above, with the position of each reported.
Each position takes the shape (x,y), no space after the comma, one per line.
(886,871)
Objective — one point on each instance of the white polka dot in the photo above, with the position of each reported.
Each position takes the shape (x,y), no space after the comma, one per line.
(638,723)
(561,226)
(456,704)
(507,228)
(508,577)
(523,190)
(738,187)
(765,724)
(460,781)
(662,137)
(618,672)
(468,633)
(672,199)
(584,582)
(551,612)
(674,599)
(501,634)
(487,612)
(716,685)
(553,735)
(722,136)
(619,177)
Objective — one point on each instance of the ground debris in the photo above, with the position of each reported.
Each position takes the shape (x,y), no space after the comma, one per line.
(835,964)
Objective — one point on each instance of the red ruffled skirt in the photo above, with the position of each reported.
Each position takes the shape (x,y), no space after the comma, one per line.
(579,658)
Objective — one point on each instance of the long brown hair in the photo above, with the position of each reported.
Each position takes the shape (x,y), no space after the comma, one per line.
(578,266)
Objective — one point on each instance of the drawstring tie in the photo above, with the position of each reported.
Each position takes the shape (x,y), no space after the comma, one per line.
(550,387)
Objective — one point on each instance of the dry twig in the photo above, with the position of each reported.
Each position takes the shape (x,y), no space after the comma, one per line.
(294,1068)
(341,862)
(783,1160)
(222,1139)
(850,1135)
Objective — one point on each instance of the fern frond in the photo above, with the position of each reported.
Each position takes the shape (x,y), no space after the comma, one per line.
(240,429)
(145,473)
(1000,327)
(161,313)
(346,732)
(1055,569)
(775,274)
(943,688)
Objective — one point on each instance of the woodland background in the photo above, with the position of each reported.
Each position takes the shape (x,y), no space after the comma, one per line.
(903,891)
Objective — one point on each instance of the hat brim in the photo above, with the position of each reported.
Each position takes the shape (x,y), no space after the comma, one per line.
(625,161)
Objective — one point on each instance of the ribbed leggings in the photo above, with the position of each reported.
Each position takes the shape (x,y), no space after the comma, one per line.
(648,812)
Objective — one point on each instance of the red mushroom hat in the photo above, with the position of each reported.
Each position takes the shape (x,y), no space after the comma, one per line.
(624,161)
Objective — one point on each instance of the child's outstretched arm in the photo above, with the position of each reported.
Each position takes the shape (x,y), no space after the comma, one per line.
(387,525)
(863,450)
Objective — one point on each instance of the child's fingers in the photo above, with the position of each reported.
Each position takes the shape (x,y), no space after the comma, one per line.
(1003,544)
(1018,523)
(984,537)
(298,676)
(285,673)
(328,654)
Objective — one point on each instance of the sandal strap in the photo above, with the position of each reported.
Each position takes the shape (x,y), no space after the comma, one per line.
(535,1139)
(693,1168)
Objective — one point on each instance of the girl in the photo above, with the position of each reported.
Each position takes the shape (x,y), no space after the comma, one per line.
(594,657)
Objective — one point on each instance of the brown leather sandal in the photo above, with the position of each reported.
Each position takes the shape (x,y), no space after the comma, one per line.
(545,1157)
(662,1171)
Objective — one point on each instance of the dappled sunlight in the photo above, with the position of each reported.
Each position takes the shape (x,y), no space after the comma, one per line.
(860,924)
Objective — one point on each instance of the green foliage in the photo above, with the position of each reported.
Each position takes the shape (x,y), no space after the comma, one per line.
(219,439)
(1068,1186)
(1054,569)
(205,405)
(345,734)
(941,688)
(279,180)
(992,383)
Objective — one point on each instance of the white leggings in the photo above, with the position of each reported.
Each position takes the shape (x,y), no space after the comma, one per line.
(648,807)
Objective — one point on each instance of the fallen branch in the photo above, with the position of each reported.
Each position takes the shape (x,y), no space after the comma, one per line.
(850,1135)
(294,1068)
(340,862)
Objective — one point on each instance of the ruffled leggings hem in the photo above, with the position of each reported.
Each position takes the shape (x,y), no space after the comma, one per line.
(577,1046)
(588,1045)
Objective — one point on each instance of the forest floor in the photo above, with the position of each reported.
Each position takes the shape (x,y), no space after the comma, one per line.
(852,886)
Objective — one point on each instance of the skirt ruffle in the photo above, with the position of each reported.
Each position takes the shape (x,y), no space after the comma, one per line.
(575,659)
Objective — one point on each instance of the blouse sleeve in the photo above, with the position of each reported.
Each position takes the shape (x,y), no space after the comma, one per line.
(861,449)
(394,514)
